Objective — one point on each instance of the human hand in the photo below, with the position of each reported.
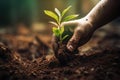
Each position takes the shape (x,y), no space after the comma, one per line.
(82,33)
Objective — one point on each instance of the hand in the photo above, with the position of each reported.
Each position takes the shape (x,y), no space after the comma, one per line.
(82,33)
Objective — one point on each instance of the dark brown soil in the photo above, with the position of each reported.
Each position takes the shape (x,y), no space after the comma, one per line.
(27,58)
(64,55)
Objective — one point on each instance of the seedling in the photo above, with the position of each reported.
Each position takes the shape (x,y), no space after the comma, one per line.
(59,18)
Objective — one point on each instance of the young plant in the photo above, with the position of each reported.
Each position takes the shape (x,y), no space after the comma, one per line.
(59,17)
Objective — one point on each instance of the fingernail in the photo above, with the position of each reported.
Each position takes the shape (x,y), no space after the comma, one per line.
(70,47)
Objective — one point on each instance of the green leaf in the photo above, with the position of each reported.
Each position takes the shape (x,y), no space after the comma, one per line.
(66,10)
(54,23)
(61,30)
(70,17)
(65,37)
(58,12)
(56,31)
(51,14)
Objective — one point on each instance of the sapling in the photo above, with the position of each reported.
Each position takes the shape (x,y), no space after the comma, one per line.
(59,18)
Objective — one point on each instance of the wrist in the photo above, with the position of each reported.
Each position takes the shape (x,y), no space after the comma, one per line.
(90,24)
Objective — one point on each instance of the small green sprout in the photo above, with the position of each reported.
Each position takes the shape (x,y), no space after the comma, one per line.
(59,18)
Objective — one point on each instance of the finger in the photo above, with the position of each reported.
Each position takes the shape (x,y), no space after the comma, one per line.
(71,23)
(73,43)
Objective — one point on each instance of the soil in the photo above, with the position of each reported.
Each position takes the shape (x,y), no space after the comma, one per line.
(64,55)
(27,57)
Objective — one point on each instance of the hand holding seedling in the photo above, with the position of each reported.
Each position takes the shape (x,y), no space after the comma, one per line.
(104,12)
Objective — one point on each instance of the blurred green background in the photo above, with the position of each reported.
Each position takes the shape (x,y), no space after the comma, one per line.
(28,12)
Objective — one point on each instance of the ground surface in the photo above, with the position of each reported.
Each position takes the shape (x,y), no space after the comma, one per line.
(26,58)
